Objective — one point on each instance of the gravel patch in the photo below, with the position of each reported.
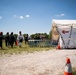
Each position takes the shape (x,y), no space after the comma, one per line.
(50,62)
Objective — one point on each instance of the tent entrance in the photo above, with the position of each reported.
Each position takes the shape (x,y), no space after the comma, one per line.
(67,36)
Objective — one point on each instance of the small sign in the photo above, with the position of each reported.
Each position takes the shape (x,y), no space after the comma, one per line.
(63,31)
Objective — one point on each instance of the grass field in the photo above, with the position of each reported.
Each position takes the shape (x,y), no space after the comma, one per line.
(24,48)
(74,71)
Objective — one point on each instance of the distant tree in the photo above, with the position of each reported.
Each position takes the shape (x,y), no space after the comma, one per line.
(46,35)
(24,35)
(50,35)
(32,36)
(4,36)
(16,35)
(39,35)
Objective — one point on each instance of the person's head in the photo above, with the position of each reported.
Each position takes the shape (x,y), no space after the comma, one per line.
(20,32)
(7,33)
(1,33)
(11,33)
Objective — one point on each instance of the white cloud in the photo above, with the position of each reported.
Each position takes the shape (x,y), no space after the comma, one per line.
(60,15)
(21,17)
(0,17)
(27,16)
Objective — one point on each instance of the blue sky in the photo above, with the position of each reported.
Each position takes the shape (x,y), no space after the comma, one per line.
(34,16)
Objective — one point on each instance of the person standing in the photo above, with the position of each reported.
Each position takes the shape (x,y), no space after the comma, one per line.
(20,38)
(1,39)
(7,39)
(11,39)
(26,38)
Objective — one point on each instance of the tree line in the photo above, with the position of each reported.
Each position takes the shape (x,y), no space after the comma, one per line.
(36,36)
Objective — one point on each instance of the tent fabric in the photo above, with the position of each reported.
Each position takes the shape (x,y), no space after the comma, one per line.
(65,31)
(64,21)
(55,34)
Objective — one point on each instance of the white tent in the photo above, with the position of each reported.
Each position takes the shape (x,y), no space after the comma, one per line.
(65,32)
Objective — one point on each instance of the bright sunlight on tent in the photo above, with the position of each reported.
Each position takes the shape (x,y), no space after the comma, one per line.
(64,31)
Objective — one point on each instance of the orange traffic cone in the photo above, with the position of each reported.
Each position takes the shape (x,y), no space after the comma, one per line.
(58,47)
(16,42)
(68,68)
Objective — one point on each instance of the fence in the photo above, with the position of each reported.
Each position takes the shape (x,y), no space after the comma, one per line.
(40,43)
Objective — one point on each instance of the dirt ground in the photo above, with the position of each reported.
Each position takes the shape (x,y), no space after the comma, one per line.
(50,62)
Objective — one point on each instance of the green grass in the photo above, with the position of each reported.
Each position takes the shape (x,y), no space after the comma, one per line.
(24,48)
(74,71)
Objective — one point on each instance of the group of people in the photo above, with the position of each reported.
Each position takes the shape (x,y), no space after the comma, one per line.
(10,39)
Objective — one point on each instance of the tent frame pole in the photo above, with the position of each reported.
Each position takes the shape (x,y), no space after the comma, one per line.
(70,35)
(60,35)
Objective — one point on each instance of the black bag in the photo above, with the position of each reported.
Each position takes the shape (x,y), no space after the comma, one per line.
(21,40)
